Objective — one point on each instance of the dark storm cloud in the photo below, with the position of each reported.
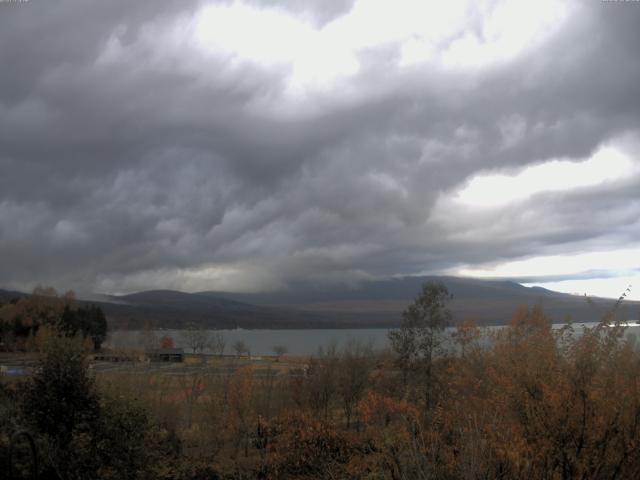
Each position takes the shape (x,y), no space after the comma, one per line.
(131,159)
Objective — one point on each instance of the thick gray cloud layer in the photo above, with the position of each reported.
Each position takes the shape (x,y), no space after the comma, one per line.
(131,158)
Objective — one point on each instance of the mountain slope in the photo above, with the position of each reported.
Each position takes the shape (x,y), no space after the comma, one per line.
(486,301)
(404,288)
(372,304)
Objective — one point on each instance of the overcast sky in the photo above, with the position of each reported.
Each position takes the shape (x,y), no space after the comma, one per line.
(261,145)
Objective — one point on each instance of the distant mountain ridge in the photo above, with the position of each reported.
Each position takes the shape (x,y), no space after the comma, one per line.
(8,295)
(173,298)
(402,288)
(371,304)
(487,301)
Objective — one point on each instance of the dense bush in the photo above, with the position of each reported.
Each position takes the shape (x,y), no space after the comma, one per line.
(83,434)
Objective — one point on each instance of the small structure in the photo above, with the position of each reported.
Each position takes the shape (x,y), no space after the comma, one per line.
(112,357)
(166,355)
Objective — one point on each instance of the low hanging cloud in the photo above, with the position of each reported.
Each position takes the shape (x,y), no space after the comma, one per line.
(257,145)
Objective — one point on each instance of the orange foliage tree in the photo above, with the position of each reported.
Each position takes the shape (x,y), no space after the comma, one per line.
(167,342)
(239,397)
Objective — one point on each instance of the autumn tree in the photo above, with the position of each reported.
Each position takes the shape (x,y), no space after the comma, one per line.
(147,337)
(419,338)
(268,383)
(240,347)
(192,387)
(279,350)
(322,380)
(21,318)
(46,308)
(466,335)
(167,342)
(241,386)
(353,376)
(218,343)
(303,447)
(196,339)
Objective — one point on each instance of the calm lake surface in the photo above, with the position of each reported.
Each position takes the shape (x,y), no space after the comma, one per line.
(297,342)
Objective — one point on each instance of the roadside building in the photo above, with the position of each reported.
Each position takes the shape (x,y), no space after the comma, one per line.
(166,355)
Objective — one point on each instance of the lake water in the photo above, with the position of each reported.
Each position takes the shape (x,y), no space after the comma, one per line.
(297,342)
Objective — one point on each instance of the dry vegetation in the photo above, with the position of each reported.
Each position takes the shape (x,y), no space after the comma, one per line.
(532,403)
